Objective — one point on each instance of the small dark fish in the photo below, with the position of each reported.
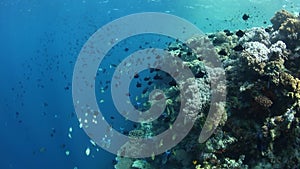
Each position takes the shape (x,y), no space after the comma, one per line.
(245,17)
(238,48)
(113,65)
(105,87)
(138,85)
(63,146)
(157,77)
(227,32)
(145,90)
(136,75)
(154,70)
(223,52)
(199,74)
(172,83)
(240,33)
(114,162)
(45,104)
(146,78)
(267,30)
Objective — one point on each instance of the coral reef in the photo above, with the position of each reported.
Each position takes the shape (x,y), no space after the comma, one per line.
(265,110)
(260,122)
(256,35)
(281,17)
(288,27)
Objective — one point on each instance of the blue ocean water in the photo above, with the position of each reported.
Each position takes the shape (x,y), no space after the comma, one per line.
(40,42)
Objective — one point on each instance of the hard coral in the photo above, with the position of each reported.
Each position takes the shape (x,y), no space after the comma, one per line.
(262,64)
(263,101)
(288,27)
(255,55)
(256,34)
(258,51)
(280,17)
(278,50)
(291,83)
(290,30)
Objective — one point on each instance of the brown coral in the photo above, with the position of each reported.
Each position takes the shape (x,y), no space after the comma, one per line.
(288,27)
(136,134)
(263,101)
(291,82)
(290,30)
(280,17)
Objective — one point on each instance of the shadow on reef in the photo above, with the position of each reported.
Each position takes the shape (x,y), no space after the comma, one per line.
(260,127)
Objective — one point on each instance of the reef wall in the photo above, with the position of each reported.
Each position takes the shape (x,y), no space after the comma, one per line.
(261,126)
